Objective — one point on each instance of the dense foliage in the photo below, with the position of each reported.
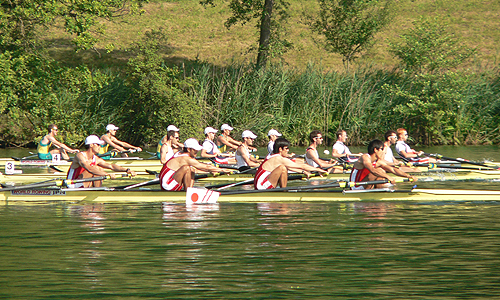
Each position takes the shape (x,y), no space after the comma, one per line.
(436,101)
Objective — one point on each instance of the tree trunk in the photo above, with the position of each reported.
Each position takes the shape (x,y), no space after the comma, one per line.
(265,33)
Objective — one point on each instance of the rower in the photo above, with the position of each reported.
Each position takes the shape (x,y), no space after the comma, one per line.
(110,140)
(225,142)
(390,139)
(273,171)
(340,151)
(175,145)
(166,150)
(49,140)
(210,149)
(178,172)
(273,134)
(87,164)
(372,166)
(312,157)
(242,155)
(406,152)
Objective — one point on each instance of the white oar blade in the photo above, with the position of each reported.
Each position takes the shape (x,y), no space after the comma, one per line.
(201,196)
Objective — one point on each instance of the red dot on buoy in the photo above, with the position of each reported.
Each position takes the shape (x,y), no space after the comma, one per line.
(194,197)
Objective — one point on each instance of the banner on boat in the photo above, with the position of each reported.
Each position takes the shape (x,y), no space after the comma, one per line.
(201,196)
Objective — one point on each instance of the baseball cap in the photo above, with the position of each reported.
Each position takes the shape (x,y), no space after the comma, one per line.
(93,139)
(172,128)
(225,126)
(210,129)
(193,144)
(111,127)
(248,134)
(273,132)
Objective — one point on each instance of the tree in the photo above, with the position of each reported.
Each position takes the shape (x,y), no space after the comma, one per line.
(349,26)
(430,48)
(270,16)
(431,93)
(20,19)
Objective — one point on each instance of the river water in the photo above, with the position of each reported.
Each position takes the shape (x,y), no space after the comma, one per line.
(321,250)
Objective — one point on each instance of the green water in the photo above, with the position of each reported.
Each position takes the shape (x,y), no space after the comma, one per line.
(396,250)
(251,251)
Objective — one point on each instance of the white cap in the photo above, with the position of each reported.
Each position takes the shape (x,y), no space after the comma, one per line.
(248,134)
(93,139)
(225,126)
(193,144)
(172,128)
(210,129)
(273,132)
(111,127)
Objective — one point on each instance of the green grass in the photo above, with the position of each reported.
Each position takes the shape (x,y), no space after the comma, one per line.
(198,33)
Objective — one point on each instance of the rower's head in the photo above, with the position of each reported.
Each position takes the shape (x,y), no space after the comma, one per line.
(402,134)
(226,129)
(210,133)
(172,135)
(376,147)
(112,129)
(248,137)
(281,146)
(316,137)
(53,129)
(273,134)
(93,142)
(391,137)
(191,146)
(341,136)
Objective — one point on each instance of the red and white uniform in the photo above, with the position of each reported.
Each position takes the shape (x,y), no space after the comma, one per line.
(167,181)
(358,175)
(75,173)
(261,181)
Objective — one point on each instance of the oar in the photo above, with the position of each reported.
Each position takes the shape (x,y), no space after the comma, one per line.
(340,184)
(55,183)
(251,181)
(439,156)
(114,153)
(157,180)
(434,166)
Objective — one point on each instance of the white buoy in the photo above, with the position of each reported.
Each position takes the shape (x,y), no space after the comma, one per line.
(326,152)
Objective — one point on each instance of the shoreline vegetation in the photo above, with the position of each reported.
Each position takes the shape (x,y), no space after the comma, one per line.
(426,75)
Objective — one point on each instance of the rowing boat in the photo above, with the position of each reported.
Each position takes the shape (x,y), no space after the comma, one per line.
(105,195)
(424,175)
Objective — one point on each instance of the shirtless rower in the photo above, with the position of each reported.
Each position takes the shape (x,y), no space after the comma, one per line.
(210,149)
(110,140)
(312,157)
(166,150)
(242,155)
(178,172)
(341,151)
(87,164)
(273,171)
(406,152)
(372,166)
(49,140)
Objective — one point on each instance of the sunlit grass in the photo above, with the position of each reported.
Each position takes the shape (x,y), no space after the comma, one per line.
(198,33)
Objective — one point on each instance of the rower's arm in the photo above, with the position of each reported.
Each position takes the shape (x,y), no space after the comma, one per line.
(295,167)
(113,143)
(163,154)
(395,171)
(205,154)
(250,162)
(367,163)
(126,145)
(312,155)
(61,145)
(204,167)
(85,163)
(117,168)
